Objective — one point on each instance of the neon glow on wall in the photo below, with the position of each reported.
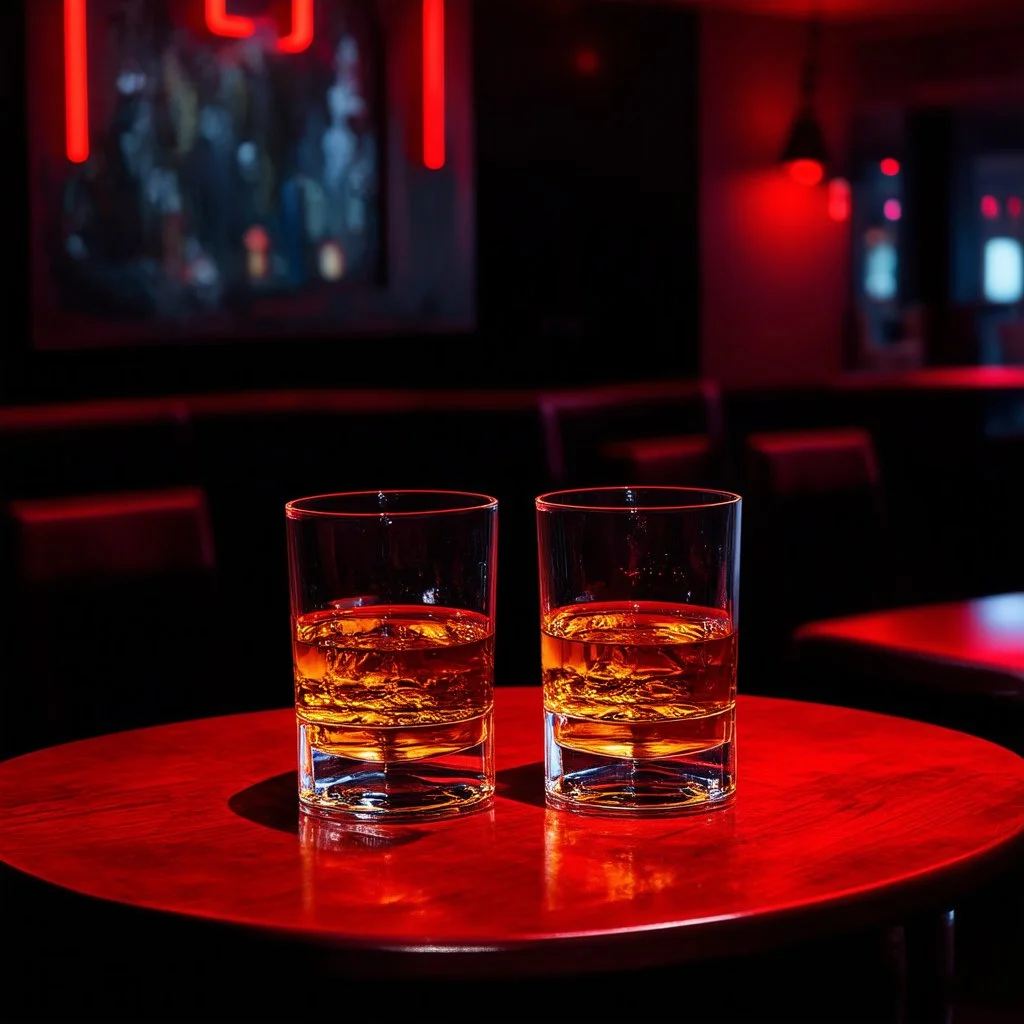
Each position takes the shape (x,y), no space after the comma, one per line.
(218,20)
(433,84)
(301,35)
(222,23)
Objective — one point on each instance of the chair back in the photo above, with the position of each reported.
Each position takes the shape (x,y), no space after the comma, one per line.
(816,534)
(661,432)
(118,620)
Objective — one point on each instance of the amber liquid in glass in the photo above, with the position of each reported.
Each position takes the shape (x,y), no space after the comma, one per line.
(639,680)
(393,683)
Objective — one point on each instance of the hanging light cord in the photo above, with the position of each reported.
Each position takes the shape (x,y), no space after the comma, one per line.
(809,79)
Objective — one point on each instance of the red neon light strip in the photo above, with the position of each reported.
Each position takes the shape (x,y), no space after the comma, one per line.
(220,23)
(301,34)
(76,81)
(433,84)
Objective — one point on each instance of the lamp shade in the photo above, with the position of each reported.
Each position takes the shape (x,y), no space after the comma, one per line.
(805,152)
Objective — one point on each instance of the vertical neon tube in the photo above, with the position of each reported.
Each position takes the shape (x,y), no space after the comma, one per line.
(301,35)
(76,82)
(433,84)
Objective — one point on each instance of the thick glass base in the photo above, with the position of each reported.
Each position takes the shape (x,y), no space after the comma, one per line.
(589,782)
(444,784)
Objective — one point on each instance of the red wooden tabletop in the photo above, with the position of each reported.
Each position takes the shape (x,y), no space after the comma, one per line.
(843,818)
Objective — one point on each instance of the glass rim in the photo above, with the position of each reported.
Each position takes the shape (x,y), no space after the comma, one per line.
(460,501)
(561,500)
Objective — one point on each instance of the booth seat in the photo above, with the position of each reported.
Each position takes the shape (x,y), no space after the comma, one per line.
(118,617)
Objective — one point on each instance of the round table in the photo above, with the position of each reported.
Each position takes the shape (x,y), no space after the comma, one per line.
(971,646)
(843,819)
(954,663)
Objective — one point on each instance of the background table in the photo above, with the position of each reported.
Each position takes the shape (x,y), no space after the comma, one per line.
(844,819)
(958,663)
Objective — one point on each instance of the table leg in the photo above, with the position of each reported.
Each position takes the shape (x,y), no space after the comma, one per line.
(929,959)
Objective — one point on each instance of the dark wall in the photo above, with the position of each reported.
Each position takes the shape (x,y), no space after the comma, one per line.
(586,134)
(587,172)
